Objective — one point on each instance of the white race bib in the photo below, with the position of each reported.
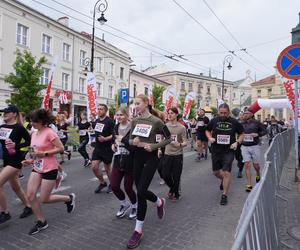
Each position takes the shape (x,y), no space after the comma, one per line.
(99,127)
(174,138)
(248,138)
(61,134)
(5,133)
(158,138)
(193,130)
(142,130)
(82,132)
(200,124)
(39,165)
(223,139)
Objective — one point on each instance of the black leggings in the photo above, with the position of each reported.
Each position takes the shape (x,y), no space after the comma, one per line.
(82,147)
(145,165)
(172,170)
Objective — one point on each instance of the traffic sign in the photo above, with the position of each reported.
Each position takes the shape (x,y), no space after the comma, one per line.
(123,97)
(288,62)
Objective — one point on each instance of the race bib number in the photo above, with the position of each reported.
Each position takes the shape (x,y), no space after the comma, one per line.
(158,138)
(39,165)
(248,138)
(200,123)
(82,132)
(174,138)
(99,127)
(142,130)
(223,139)
(61,134)
(193,130)
(5,133)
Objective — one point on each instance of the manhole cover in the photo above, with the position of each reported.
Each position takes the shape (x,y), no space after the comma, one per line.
(294,232)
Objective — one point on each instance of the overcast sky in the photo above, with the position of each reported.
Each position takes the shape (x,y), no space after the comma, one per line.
(253,23)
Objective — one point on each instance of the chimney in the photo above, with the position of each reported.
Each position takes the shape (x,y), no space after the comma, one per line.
(64,21)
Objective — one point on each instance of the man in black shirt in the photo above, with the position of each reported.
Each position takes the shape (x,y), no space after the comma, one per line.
(221,133)
(104,127)
(202,140)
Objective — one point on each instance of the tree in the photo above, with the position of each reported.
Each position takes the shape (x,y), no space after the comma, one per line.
(193,111)
(157,93)
(214,111)
(25,82)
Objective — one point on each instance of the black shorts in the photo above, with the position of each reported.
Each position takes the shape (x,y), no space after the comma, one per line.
(51,175)
(201,136)
(13,161)
(102,154)
(222,160)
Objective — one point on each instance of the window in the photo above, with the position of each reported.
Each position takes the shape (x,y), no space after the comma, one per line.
(46,44)
(208,90)
(282,90)
(45,76)
(110,92)
(82,57)
(219,91)
(182,86)
(146,91)
(234,95)
(111,69)
(190,86)
(258,93)
(134,90)
(121,73)
(65,81)
(82,85)
(98,64)
(22,35)
(99,84)
(269,92)
(66,52)
(199,89)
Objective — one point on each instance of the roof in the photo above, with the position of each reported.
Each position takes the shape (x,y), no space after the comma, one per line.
(267,80)
(238,82)
(149,77)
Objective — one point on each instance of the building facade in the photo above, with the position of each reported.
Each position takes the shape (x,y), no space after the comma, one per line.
(24,28)
(242,91)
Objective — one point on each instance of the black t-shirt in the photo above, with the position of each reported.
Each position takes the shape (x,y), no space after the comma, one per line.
(16,133)
(253,126)
(105,128)
(83,127)
(62,134)
(224,132)
(201,124)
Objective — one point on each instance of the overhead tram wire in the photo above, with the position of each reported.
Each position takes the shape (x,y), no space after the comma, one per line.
(242,48)
(190,64)
(171,56)
(212,35)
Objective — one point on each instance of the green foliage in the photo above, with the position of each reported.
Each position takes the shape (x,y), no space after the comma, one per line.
(214,111)
(157,92)
(112,110)
(193,111)
(25,82)
(118,98)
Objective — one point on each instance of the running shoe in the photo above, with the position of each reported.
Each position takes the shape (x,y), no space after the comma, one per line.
(122,211)
(39,226)
(161,209)
(100,187)
(109,189)
(239,175)
(62,162)
(176,198)
(221,186)
(257,178)
(69,155)
(4,217)
(224,200)
(248,188)
(71,204)
(133,213)
(170,195)
(134,240)
(198,158)
(87,162)
(27,211)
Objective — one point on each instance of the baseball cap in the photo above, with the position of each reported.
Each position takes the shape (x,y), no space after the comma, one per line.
(10,109)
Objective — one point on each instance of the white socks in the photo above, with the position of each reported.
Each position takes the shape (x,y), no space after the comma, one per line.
(139,226)
(158,202)
(134,205)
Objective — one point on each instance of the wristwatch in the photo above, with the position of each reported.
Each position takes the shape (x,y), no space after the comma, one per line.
(46,154)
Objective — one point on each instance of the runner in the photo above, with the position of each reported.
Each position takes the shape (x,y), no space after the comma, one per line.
(45,144)
(104,127)
(273,129)
(84,127)
(221,133)
(250,146)
(238,152)
(11,134)
(143,136)
(173,159)
(202,140)
(62,127)
(123,166)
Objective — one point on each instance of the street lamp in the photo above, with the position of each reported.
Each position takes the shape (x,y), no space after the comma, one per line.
(227,59)
(100,6)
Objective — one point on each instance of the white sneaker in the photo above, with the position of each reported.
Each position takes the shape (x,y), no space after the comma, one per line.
(133,213)
(122,211)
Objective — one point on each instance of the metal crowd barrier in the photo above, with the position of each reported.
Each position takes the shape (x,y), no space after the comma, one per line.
(258,225)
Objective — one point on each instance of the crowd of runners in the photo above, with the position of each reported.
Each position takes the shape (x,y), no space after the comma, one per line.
(131,150)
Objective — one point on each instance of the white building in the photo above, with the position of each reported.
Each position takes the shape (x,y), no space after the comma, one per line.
(24,28)
(242,91)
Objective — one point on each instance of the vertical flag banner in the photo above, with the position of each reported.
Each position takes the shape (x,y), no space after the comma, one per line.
(151,99)
(91,94)
(169,97)
(46,98)
(188,104)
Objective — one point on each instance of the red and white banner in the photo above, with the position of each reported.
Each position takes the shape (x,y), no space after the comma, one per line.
(63,98)
(91,94)
(170,97)
(151,98)
(46,99)
(188,104)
